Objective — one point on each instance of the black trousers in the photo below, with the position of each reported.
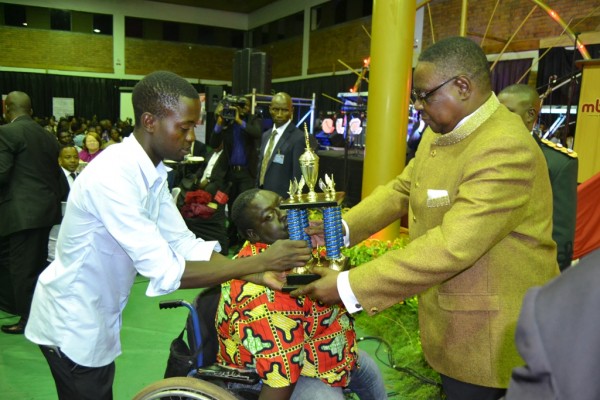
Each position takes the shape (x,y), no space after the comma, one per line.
(74,381)
(457,390)
(24,255)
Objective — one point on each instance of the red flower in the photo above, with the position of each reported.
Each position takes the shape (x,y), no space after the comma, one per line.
(196,210)
(198,196)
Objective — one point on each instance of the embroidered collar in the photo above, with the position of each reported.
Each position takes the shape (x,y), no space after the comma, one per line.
(471,123)
(252,249)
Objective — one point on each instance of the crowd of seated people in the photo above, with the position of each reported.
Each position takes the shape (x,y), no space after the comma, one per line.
(89,136)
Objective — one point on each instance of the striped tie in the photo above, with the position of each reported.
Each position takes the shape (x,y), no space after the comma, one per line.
(267,157)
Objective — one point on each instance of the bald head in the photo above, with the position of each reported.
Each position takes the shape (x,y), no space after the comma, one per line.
(17,104)
(281,109)
(523,100)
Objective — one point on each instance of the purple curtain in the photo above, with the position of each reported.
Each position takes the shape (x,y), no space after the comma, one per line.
(509,72)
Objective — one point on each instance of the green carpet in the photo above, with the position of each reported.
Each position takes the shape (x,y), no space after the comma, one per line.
(146,335)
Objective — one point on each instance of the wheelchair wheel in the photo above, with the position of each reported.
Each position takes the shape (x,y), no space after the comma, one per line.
(183,388)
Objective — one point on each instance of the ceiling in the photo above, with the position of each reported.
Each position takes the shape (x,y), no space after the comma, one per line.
(238,6)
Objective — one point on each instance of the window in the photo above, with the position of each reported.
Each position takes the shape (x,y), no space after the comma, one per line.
(134,27)
(15,15)
(171,31)
(60,20)
(103,24)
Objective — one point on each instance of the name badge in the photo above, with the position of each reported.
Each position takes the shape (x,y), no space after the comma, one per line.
(278,158)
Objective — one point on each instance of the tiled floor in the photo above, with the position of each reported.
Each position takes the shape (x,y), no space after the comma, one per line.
(146,335)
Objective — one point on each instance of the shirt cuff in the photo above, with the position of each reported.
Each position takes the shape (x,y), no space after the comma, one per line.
(347,234)
(218,128)
(348,298)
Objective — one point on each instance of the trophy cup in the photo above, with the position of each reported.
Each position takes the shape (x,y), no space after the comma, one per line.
(297,206)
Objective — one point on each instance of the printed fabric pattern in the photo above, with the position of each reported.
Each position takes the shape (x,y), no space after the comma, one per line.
(283,337)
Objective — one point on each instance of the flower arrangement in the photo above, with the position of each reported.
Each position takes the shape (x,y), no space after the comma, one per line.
(198,204)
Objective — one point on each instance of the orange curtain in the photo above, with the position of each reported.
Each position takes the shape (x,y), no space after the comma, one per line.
(587,225)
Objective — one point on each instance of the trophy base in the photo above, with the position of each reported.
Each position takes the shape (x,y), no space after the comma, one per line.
(294,281)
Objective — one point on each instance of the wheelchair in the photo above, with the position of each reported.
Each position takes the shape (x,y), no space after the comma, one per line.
(201,378)
(205,380)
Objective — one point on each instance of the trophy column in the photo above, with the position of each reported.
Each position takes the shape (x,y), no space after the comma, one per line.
(298,205)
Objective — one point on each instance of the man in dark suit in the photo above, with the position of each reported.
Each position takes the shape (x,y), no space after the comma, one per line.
(29,201)
(562,167)
(281,148)
(557,336)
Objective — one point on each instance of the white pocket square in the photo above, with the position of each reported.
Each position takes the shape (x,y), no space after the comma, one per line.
(437,198)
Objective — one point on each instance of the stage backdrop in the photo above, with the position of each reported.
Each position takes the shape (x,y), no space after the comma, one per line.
(587,135)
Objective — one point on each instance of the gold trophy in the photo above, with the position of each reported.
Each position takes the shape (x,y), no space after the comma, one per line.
(298,204)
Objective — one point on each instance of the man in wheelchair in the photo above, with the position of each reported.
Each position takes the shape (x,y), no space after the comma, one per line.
(300,348)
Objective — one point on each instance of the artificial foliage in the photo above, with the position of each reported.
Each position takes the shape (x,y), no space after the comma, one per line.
(408,375)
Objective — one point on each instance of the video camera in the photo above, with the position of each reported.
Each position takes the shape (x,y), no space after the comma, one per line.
(230,103)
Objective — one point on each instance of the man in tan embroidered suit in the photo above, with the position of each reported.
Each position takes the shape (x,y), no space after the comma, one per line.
(479,203)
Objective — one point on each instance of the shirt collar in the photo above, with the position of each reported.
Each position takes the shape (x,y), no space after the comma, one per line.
(16,118)
(468,124)
(283,127)
(151,173)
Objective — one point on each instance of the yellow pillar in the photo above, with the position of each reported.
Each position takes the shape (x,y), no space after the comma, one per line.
(463,19)
(390,75)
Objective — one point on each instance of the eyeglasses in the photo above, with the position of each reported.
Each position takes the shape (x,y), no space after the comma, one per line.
(422,97)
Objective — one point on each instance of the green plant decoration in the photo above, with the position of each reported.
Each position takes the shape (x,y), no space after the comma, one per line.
(410,377)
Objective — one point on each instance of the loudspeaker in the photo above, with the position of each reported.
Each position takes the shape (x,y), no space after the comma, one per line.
(260,72)
(240,84)
(251,70)
(214,94)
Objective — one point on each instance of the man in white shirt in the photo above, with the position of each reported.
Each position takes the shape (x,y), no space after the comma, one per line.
(120,221)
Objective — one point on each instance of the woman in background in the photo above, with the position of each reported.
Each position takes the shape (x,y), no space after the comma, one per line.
(91,147)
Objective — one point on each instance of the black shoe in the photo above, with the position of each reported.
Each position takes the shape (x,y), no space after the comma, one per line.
(15,329)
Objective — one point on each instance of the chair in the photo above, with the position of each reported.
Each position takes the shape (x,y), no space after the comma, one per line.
(175,193)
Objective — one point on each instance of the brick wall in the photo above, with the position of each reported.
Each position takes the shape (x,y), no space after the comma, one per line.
(31,48)
(347,42)
(286,57)
(189,60)
(509,14)
(70,51)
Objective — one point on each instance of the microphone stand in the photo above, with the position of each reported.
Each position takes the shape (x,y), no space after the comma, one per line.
(565,132)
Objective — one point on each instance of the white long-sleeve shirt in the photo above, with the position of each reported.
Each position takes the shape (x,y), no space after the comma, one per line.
(120,220)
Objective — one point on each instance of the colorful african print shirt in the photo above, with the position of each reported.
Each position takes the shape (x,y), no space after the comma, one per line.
(283,337)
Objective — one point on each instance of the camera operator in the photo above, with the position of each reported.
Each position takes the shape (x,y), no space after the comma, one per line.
(240,133)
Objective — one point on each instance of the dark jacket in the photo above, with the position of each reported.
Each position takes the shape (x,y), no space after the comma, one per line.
(557,336)
(562,167)
(284,164)
(251,135)
(30,189)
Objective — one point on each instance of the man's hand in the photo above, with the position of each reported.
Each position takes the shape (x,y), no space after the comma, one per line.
(316,232)
(285,254)
(271,279)
(323,289)
(238,119)
(218,112)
